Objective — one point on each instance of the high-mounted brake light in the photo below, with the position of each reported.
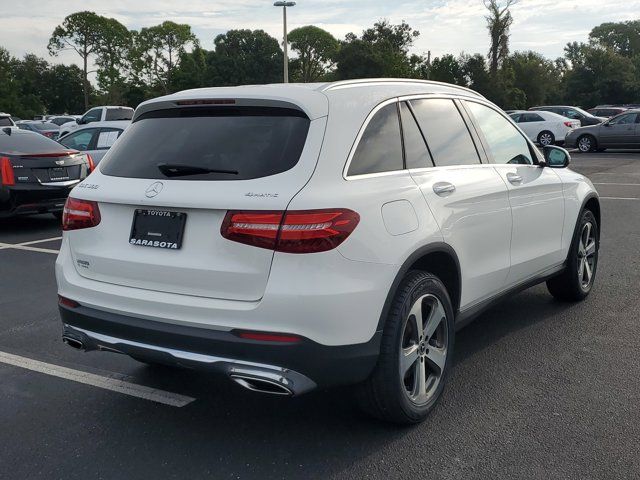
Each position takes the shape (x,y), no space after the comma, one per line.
(92,165)
(79,214)
(297,231)
(207,101)
(6,172)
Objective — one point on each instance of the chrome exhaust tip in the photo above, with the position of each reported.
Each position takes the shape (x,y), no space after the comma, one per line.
(261,385)
(73,342)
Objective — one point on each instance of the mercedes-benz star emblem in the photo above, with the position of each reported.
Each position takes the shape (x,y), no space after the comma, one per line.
(154,189)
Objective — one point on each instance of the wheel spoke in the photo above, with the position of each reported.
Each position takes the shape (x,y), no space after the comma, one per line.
(581,268)
(586,234)
(409,357)
(416,313)
(590,249)
(436,316)
(588,271)
(437,357)
(420,383)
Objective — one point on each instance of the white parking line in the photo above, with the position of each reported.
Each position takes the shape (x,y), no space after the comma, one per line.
(4,246)
(40,241)
(115,385)
(623,184)
(619,198)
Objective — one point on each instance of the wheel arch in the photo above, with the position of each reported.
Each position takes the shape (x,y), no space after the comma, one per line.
(439,259)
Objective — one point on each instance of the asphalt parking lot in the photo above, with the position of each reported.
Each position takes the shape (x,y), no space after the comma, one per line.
(539,389)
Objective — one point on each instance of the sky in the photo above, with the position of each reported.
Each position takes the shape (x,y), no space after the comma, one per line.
(446,26)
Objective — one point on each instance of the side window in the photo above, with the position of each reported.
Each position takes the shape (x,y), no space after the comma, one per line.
(532,117)
(415,150)
(107,137)
(447,136)
(624,119)
(92,116)
(517,117)
(507,145)
(571,114)
(5,122)
(380,147)
(79,140)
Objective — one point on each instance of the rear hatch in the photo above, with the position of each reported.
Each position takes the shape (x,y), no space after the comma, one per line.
(165,187)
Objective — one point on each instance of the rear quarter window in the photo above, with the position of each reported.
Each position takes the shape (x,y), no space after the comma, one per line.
(114,114)
(253,142)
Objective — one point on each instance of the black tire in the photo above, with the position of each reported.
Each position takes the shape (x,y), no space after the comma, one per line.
(570,285)
(385,394)
(57,215)
(586,144)
(546,138)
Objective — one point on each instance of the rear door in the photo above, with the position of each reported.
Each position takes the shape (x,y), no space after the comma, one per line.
(468,199)
(532,124)
(176,173)
(620,131)
(535,194)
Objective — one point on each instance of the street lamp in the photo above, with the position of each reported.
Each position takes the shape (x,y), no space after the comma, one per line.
(284,6)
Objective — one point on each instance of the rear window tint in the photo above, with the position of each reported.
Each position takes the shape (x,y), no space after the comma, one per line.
(254,142)
(119,114)
(25,142)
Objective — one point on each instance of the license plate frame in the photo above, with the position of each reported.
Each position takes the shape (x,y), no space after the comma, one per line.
(157,228)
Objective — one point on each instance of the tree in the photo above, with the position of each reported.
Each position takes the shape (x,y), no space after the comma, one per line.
(112,52)
(244,57)
(499,22)
(160,49)
(622,38)
(382,51)
(476,74)
(193,70)
(78,32)
(316,49)
(447,69)
(536,76)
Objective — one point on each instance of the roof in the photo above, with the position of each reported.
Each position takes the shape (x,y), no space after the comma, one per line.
(312,98)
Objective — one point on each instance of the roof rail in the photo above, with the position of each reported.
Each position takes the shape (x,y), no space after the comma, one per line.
(373,81)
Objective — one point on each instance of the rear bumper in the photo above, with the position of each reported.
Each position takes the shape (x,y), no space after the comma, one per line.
(297,367)
(26,201)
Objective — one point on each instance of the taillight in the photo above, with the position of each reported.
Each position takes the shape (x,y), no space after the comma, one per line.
(569,124)
(79,214)
(297,231)
(92,165)
(6,172)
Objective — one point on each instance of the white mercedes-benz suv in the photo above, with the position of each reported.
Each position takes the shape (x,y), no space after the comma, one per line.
(302,236)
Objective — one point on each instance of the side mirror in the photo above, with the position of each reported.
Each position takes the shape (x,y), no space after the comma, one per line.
(556,157)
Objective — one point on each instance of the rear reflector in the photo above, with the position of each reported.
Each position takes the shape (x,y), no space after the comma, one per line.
(67,302)
(79,214)
(270,337)
(6,172)
(297,231)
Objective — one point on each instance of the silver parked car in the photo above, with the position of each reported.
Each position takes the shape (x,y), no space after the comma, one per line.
(621,131)
(95,139)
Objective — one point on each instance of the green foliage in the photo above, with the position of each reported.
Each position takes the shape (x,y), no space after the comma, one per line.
(244,57)
(382,51)
(447,69)
(316,51)
(622,38)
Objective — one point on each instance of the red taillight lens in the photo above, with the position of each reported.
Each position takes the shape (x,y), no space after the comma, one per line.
(269,337)
(67,302)
(92,165)
(6,172)
(568,124)
(298,231)
(79,214)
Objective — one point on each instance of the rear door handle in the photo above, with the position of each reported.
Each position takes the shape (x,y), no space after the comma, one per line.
(443,188)
(514,178)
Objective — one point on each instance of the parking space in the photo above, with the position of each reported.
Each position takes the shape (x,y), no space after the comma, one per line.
(539,389)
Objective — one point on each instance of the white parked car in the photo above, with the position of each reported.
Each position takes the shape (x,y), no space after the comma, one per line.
(95,139)
(545,128)
(296,236)
(98,114)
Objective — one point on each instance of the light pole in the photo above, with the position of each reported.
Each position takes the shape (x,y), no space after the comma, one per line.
(284,6)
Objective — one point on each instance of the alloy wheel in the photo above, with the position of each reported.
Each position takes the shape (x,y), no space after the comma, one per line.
(546,139)
(586,255)
(424,348)
(584,145)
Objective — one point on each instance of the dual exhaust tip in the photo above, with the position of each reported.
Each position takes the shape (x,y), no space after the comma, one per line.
(252,383)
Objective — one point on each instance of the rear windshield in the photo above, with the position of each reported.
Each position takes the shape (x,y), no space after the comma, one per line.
(5,122)
(28,143)
(201,143)
(46,126)
(119,114)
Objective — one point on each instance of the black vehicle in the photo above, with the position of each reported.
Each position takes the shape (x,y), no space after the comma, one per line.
(574,113)
(36,173)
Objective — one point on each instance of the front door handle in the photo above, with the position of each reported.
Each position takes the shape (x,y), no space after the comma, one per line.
(443,188)
(514,178)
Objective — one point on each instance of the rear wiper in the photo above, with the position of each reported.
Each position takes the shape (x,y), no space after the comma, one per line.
(179,170)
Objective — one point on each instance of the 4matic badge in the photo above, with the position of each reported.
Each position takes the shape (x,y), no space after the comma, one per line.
(261,195)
